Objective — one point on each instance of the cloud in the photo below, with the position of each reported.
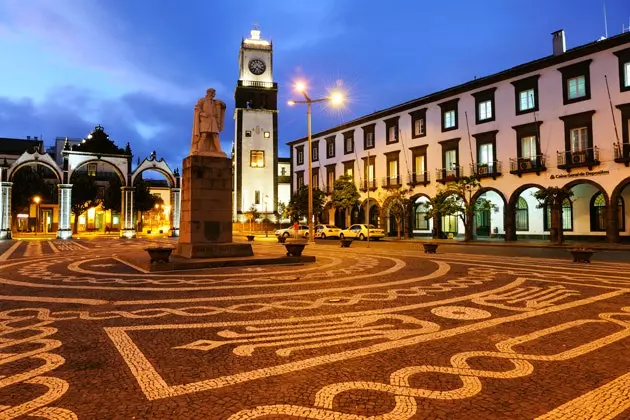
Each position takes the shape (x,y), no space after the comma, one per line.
(88,37)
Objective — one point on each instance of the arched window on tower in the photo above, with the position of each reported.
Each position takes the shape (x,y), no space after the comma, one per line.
(598,213)
(567,216)
(522,215)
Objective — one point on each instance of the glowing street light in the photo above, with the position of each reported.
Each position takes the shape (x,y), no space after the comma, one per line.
(335,98)
(36,200)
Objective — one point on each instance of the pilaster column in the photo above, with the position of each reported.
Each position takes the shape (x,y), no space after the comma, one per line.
(5,210)
(612,221)
(64,230)
(176,205)
(128,229)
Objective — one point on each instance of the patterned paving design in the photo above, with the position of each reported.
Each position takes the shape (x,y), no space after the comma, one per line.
(361,334)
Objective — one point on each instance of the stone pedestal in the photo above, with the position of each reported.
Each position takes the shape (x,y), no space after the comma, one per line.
(205,229)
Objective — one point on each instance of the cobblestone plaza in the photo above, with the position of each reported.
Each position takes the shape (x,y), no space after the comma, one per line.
(386,332)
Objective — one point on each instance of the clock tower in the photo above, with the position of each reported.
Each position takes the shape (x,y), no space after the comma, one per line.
(255,151)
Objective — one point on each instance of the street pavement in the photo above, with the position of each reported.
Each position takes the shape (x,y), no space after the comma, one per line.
(385,331)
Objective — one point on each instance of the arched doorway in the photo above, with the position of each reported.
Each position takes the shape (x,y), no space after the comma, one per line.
(375,211)
(578,217)
(618,216)
(489,213)
(523,219)
(420,225)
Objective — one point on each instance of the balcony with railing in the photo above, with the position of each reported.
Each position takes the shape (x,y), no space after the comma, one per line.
(487,170)
(622,153)
(392,182)
(368,185)
(449,175)
(570,159)
(529,164)
(417,178)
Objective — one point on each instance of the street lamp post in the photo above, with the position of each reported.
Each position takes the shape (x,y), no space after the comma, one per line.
(36,199)
(335,98)
(266,220)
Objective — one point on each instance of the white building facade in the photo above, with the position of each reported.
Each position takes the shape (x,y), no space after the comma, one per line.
(561,121)
(257,179)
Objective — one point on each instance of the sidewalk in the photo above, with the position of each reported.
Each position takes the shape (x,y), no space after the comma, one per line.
(600,246)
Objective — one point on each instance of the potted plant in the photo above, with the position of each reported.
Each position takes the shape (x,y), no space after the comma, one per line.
(430,247)
(294,249)
(581,254)
(345,242)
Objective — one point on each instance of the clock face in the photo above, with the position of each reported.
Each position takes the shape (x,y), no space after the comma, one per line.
(257,66)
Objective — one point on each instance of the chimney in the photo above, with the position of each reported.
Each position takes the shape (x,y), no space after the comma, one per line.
(28,137)
(35,137)
(559,44)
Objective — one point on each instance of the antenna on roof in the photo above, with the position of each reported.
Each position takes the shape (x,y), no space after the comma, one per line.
(605,20)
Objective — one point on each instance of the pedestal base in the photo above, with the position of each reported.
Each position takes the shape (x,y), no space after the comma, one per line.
(213,250)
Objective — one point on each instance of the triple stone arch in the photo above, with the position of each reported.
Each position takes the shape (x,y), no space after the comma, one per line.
(72,162)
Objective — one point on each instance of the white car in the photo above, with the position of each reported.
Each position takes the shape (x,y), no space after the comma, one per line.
(360,232)
(290,232)
(327,231)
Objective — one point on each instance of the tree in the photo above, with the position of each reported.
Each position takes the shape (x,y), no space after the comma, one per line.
(281,212)
(29,182)
(84,195)
(252,214)
(457,198)
(398,206)
(112,200)
(553,198)
(143,199)
(345,194)
(298,206)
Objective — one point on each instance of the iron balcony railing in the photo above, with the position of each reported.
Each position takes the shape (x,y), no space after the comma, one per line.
(490,169)
(575,158)
(451,174)
(527,164)
(622,152)
(391,181)
(419,178)
(368,185)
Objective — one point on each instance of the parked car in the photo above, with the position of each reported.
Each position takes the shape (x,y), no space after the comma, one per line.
(290,232)
(327,231)
(360,232)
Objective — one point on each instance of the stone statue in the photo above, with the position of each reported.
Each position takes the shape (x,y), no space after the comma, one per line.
(207,124)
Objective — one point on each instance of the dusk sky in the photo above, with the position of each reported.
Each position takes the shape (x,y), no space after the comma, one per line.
(137,67)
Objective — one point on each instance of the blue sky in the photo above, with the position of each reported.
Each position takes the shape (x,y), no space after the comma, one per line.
(137,67)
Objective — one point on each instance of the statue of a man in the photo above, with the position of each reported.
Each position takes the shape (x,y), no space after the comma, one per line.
(207,124)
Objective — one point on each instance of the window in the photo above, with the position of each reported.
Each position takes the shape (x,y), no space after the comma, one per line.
(419,165)
(283,171)
(315,151)
(579,151)
(579,139)
(526,99)
(598,213)
(299,151)
(348,169)
(330,147)
(330,177)
(528,147)
(267,134)
(257,197)
(391,130)
(421,221)
(567,216)
(623,57)
(348,142)
(449,114)
(526,95)
(315,179)
(450,159)
(257,158)
(418,123)
(368,136)
(576,82)
(91,169)
(248,133)
(299,176)
(392,168)
(522,215)
(369,169)
(450,223)
(486,153)
(484,105)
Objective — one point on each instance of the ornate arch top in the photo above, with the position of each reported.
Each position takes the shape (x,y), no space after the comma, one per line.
(35,158)
(120,163)
(159,165)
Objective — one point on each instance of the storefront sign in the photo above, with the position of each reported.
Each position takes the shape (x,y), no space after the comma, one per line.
(579,174)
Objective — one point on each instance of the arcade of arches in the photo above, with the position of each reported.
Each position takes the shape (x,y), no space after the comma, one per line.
(118,161)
